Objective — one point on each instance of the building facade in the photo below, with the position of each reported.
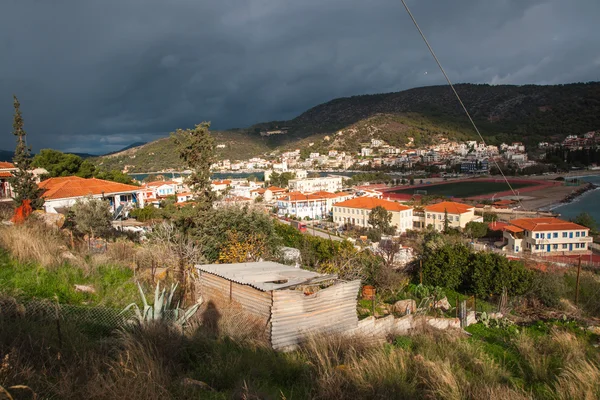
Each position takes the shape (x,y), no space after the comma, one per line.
(356,212)
(545,236)
(311,185)
(458,215)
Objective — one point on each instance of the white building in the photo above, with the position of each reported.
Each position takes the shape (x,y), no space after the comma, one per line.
(61,193)
(366,152)
(356,212)
(546,236)
(457,214)
(310,185)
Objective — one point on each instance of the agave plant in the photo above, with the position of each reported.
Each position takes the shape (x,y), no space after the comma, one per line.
(162,309)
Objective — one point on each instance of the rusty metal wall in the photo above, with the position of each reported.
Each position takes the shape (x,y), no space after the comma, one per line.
(296,315)
(223,291)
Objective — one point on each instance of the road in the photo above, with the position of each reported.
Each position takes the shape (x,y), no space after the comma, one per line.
(317,232)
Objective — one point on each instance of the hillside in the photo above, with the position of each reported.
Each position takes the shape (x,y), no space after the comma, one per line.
(504,113)
(162,154)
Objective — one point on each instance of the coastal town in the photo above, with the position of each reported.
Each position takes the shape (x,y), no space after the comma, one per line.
(300,200)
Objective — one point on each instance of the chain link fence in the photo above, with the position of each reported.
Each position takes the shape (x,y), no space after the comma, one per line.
(95,320)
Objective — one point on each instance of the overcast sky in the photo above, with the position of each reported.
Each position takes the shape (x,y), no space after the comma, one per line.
(95,76)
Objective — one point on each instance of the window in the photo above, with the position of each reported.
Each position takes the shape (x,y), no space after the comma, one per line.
(576,234)
(583,245)
(565,234)
(537,235)
(576,245)
(564,246)
(555,247)
(555,235)
(428,215)
(548,235)
(583,234)
(456,218)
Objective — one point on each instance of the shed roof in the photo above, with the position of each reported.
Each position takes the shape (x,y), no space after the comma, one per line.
(263,275)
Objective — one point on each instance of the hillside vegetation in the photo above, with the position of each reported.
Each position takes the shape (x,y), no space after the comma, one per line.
(503,113)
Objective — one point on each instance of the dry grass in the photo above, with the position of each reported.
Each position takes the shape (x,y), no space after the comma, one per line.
(34,242)
(579,381)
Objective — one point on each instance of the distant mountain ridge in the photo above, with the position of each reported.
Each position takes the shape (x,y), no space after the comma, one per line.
(528,113)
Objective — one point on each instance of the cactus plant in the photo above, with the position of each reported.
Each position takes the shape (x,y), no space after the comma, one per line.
(162,309)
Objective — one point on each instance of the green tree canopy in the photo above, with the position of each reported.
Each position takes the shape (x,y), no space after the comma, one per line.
(476,230)
(586,220)
(61,164)
(381,220)
(92,217)
(197,151)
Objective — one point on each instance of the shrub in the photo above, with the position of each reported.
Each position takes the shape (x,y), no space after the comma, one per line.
(548,288)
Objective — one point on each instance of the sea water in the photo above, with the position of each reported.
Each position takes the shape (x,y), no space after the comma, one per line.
(589,202)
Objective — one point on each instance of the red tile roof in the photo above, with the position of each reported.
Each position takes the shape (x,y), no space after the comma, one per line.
(450,206)
(368,203)
(73,186)
(276,189)
(5,174)
(546,224)
(497,226)
(5,165)
(223,182)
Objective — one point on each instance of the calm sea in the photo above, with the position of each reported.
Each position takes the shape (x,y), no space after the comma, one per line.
(589,202)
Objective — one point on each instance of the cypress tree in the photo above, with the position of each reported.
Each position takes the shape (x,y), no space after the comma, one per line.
(23,183)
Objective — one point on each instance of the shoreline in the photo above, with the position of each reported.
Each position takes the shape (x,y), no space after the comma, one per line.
(571,198)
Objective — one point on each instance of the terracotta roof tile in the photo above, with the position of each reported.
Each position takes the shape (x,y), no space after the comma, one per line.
(368,203)
(450,206)
(6,165)
(73,186)
(5,174)
(546,224)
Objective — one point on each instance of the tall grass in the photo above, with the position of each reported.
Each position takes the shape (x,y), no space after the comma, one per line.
(34,242)
(155,362)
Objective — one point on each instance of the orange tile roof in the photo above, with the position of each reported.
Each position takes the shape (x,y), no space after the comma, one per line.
(5,174)
(325,194)
(73,186)
(368,203)
(546,224)
(276,189)
(450,206)
(297,196)
(4,164)
(259,190)
(223,182)
(513,229)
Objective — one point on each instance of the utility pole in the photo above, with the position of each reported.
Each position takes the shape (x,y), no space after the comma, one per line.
(577,283)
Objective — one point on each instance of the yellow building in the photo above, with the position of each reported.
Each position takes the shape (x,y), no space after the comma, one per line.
(356,212)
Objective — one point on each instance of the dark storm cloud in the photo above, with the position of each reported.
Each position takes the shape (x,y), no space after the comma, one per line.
(95,76)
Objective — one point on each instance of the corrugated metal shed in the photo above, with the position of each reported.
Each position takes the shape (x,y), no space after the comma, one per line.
(264,275)
(266,290)
(295,315)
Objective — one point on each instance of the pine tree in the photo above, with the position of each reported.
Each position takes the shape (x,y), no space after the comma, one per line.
(23,182)
(197,150)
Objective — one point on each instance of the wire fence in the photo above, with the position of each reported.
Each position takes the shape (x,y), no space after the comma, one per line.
(95,320)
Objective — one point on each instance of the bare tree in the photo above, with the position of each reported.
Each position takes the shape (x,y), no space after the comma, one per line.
(182,253)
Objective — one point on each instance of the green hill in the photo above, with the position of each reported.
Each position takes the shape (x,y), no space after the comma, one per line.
(528,113)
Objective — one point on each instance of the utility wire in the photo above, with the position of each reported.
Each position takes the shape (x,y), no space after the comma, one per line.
(457,96)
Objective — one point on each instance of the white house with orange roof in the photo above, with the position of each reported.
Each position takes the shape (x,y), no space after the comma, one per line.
(458,215)
(220,186)
(6,172)
(546,236)
(299,205)
(63,192)
(356,212)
